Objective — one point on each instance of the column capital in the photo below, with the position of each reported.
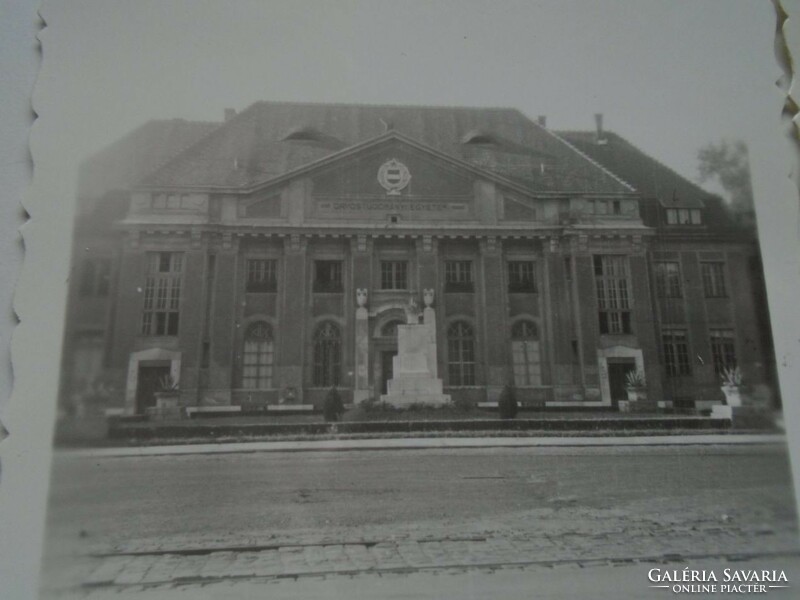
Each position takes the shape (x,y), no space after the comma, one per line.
(427,243)
(295,243)
(361,243)
(491,245)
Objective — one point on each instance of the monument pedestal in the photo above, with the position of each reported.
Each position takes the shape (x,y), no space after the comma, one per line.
(414,367)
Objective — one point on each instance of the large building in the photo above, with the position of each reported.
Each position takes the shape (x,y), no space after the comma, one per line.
(228,255)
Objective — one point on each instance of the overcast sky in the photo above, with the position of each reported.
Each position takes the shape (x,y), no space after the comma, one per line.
(669,76)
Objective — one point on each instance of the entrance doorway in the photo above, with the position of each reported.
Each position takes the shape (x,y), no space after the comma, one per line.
(618,369)
(387,369)
(148,383)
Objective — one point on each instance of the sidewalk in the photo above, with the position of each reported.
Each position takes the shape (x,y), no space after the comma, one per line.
(429,443)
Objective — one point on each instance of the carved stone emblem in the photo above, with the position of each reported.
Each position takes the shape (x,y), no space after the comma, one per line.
(393,176)
(412,312)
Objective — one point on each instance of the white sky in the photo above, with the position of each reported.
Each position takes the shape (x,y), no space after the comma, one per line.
(669,76)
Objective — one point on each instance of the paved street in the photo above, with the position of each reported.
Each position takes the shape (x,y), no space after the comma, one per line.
(168,523)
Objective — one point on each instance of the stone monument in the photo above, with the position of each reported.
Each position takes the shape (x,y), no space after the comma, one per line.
(414,368)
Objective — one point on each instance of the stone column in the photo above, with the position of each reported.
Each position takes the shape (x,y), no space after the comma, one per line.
(429,318)
(294,304)
(361,263)
(495,346)
(361,381)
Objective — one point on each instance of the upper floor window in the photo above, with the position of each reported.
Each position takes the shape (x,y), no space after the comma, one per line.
(676,352)
(394,275)
(96,277)
(261,275)
(328,276)
(162,293)
(522,276)
(458,276)
(723,350)
(683,216)
(668,280)
(613,296)
(713,279)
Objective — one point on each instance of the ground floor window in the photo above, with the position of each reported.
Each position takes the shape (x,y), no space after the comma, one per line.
(258,357)
(723,350)
(676,352)
(460,354)
(327,355)
(525,354)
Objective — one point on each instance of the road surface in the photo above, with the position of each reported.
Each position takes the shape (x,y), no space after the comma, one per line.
(234,521)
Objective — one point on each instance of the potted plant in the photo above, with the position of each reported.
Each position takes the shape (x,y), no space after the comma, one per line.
(636,385)
(731,384)
(169,392)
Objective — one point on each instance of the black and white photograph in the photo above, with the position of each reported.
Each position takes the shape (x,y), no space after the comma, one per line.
(386,299)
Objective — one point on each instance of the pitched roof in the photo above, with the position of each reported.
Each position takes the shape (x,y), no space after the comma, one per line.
(124,162)
(658,184)
(270,139)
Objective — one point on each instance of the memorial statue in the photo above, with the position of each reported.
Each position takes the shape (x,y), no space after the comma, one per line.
(412,312)
(427,296)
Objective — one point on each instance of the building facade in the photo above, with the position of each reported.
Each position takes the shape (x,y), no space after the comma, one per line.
(559,262)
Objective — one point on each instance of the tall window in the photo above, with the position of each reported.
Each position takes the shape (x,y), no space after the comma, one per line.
(525,354)
(261,275)
(668,279)
(258,357)
(458,276)
(394,275)
(327,355)
(162,294)
(461,354)
(96,277)
(613,297)
(714,279)
(723,349)
(522,276)
(328,276)
(676,352)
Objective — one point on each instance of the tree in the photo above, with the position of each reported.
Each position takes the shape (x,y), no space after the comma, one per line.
(729,164)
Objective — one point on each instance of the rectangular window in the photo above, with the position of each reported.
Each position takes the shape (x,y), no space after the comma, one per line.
(714,279)
(394,275)
(672,216)
(613,295)
(723,349)
(676,353)
(684,216)
(96,277)
(458,276)
(328,276)
(521,276)
(617,207)
(668,280)
(695,216)
(162,294)
(261,275)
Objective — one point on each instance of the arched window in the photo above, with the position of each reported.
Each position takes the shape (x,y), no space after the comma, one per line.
(525,354)
(460,354)
(258,357)
(327,355)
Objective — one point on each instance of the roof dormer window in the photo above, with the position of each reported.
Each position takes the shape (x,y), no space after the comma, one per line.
(479,138)
(684,216)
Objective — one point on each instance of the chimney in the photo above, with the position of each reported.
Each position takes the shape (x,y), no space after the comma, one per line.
(542,120)
(599,135)
(229,114)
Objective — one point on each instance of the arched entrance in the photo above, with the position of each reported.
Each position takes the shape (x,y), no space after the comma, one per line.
(384,349)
